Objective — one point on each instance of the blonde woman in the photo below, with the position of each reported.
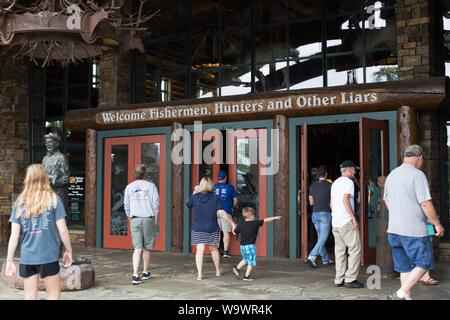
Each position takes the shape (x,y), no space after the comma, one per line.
(40,213)
(205,228)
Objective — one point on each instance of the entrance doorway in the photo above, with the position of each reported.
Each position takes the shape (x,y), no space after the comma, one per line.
(122,155)
(237,153)
(365,143)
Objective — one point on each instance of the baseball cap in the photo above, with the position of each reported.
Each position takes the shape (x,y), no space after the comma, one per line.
(348,164)
(413,150)
(222,174)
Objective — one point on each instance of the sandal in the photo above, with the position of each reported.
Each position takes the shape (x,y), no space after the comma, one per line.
(218,274)
(200,278)
(429,282)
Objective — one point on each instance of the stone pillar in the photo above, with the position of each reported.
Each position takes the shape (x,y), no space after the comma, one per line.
(177,198)
(114,79)
(416,48)
(14,144)
(90,196)
(415,21)
(281,188)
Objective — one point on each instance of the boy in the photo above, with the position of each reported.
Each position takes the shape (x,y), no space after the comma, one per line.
(248,229)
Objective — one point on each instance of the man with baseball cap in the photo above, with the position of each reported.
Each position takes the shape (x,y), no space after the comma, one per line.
(407,196)
(345,228)
(228,198)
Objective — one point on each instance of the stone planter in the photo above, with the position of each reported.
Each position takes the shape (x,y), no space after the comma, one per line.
(80,275)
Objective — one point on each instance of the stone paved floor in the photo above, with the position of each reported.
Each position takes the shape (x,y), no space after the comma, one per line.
(174,277)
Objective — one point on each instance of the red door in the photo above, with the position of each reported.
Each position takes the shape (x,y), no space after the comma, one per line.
(122,155)
(374,159)
(245,174)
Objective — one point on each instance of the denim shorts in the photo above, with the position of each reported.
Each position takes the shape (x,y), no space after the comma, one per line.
(248,252)
(411,252)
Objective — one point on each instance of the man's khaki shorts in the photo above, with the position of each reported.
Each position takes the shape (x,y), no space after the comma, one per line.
(143,232)
(224,225)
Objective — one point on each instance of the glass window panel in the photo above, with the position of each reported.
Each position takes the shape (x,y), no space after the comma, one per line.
(271,44)
(173,15)
(373,171)
(54,103)
(236,47)
(380,27)
(271,76)
(54,76)
(341,7)
(304,9)
(344,33)
(173,85)
(270,11)
(174,55)
(345,70)
(236,14)
(446,24)
(205,13)
(247,183)
(80,73)
(235,80)
(305,73)
(150,156)
(305,39)
(119,180)
(78,97)
(381,66)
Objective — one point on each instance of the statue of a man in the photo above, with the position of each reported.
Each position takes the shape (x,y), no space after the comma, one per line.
(57,166)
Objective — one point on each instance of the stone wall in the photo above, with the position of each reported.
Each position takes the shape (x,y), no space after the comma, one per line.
(415,45)
(14,143)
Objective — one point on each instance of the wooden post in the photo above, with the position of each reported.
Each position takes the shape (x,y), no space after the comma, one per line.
(90,198)
(281,188)
(177,200)
(406,130)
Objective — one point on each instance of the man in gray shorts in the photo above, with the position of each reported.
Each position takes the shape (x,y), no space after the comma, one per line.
(142,207)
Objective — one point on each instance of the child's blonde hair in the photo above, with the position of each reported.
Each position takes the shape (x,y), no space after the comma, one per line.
(37,195)
(248,212)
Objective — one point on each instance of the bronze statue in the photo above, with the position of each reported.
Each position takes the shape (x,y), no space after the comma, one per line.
(57,166)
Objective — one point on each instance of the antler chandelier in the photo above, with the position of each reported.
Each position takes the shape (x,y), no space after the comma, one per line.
(69,31)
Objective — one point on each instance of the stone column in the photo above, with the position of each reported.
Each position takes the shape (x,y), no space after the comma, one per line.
(114,79)
(14,144)
(281,188)
(417,59)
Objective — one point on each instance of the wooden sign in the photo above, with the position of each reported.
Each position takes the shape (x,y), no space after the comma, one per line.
(246,107)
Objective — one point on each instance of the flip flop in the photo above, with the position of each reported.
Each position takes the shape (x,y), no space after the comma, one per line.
(429,282)
(201,278)
(218,274)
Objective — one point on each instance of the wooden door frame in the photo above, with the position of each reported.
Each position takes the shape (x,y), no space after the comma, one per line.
(101,136)
(294,124)
(187,176)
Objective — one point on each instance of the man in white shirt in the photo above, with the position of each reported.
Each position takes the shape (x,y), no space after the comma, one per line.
(345,228)
(142,207)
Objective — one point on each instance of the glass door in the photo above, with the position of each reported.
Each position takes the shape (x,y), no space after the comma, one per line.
(245,174)
(119,167)
(205,159)
(122,155)
(374,159)
(151,151)
(303,192)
